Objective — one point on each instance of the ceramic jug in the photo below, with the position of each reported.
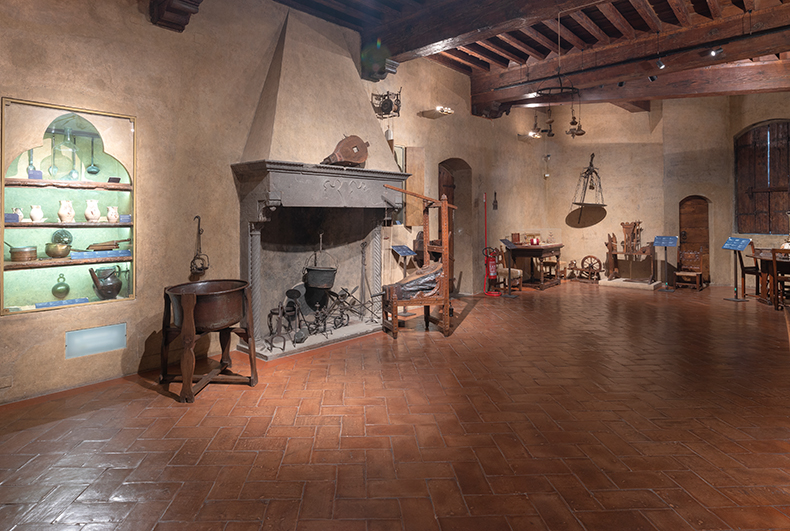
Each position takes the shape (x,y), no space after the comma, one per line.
(66,212)
(106,283)
(92,212)
(36,214)
(112,214)
(19,213)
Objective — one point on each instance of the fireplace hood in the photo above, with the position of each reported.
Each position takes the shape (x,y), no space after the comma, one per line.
(268,184)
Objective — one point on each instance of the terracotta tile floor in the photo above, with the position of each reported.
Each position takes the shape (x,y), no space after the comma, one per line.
(576,408)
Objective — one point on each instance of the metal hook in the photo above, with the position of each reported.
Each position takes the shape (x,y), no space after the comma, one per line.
(200,231)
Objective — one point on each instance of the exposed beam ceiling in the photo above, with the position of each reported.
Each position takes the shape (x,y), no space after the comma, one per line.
(510,48)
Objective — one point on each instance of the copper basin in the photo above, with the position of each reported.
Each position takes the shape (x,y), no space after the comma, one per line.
(219,303)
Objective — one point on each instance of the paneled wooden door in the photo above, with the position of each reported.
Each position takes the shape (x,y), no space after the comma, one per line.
(694,233)
(447,187)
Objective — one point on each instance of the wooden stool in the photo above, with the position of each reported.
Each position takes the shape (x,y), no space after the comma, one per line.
(200,308)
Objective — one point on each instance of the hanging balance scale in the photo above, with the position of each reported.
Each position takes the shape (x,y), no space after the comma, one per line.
(587,207)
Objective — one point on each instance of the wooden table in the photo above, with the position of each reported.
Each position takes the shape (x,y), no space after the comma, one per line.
(536,253)
(765,259)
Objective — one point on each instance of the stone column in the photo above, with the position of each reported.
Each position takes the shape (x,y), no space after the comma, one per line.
(376,274)
(254,268)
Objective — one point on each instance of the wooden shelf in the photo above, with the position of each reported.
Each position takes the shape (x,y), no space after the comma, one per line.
(72,225)
(59,262)
(75,185)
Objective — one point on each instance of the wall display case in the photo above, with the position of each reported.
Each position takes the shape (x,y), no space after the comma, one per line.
(68,206)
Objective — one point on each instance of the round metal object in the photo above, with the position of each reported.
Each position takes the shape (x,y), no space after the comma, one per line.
(23,254)
(62,236)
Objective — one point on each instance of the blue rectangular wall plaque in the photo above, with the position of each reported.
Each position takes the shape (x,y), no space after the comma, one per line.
(736,244)
(665,241)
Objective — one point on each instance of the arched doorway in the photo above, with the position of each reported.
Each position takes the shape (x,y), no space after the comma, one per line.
(455,178)
(694,233)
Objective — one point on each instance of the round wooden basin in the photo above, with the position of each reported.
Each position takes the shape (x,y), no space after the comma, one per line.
(219,303)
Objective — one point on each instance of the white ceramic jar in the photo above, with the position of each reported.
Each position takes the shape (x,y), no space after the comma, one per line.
(92,212)
(66,212)
(112,214)
(36,214)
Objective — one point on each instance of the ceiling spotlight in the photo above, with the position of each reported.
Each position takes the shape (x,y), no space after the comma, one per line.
(660,64)
(621,83)
(652,78)
(716,52)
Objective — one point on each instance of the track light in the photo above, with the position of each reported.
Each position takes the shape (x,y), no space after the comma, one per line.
(621,83)
(652,78)
(716,52)
(660,64)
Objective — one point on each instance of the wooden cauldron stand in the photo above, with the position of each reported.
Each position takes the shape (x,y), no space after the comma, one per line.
(190,337)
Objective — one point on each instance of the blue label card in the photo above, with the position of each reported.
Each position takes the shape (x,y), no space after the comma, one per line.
(403,250)
(665,241)
(736,244)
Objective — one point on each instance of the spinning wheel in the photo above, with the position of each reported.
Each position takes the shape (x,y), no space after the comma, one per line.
(590,268)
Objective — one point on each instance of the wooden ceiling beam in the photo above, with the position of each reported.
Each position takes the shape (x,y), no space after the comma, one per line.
(591,27)
(467,59)
(540,39)
(488,45)
(722,80)
(565,33)
(484,54)
(617,20)
(715,8)
(681,12)
(330,15)
(745,47)
(519,45)
(446,24)
(647,13)
(693,41)
(450,63)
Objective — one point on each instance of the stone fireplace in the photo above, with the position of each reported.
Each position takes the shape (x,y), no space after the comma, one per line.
(288,207)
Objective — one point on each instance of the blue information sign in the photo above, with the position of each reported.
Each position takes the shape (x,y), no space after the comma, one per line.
(665,241)
(736,244)
(403,250)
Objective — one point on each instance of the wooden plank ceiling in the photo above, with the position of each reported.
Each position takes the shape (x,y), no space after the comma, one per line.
(609,50)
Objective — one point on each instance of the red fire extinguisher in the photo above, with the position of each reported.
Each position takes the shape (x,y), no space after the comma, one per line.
(490,257)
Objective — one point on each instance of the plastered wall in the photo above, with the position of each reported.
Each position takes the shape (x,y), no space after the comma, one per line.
(195,97)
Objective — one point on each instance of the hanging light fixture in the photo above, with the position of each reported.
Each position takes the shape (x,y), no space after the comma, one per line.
(535,132)
(587,207)
(659,63)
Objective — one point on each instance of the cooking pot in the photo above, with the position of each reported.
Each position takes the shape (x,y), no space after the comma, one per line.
(23,254)
(57,250)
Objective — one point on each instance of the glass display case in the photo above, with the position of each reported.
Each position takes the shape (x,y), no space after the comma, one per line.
(68,206)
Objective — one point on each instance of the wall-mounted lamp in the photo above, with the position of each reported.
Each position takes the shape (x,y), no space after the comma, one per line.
(438,112)
(652,78)
(716,51)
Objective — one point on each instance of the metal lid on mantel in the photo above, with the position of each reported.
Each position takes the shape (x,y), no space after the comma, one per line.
(297,184)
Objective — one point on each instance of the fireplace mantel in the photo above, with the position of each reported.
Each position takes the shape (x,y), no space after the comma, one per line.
(272,183)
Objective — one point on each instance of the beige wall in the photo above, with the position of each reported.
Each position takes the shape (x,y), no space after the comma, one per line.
(195,95)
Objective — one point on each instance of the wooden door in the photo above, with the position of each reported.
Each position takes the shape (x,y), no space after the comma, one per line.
(447,187)
(694,230)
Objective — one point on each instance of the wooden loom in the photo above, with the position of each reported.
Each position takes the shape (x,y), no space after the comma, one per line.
(438,294)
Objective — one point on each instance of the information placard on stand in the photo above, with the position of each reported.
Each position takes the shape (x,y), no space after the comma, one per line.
(665,242)
(736,245)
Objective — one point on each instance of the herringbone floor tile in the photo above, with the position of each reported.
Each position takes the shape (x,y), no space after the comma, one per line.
(577,408)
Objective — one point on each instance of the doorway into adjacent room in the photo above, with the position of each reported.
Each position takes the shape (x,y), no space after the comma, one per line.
(455,177)
(694,234)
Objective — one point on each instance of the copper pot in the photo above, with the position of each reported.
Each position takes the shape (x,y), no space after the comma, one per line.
(23,254)
(57,250)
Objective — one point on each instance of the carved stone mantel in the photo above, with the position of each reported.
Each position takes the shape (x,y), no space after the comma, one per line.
(173,14)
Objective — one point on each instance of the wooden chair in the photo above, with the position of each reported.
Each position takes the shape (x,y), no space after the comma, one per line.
(780,273)
(750,270)
(689,271)
(516,275)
